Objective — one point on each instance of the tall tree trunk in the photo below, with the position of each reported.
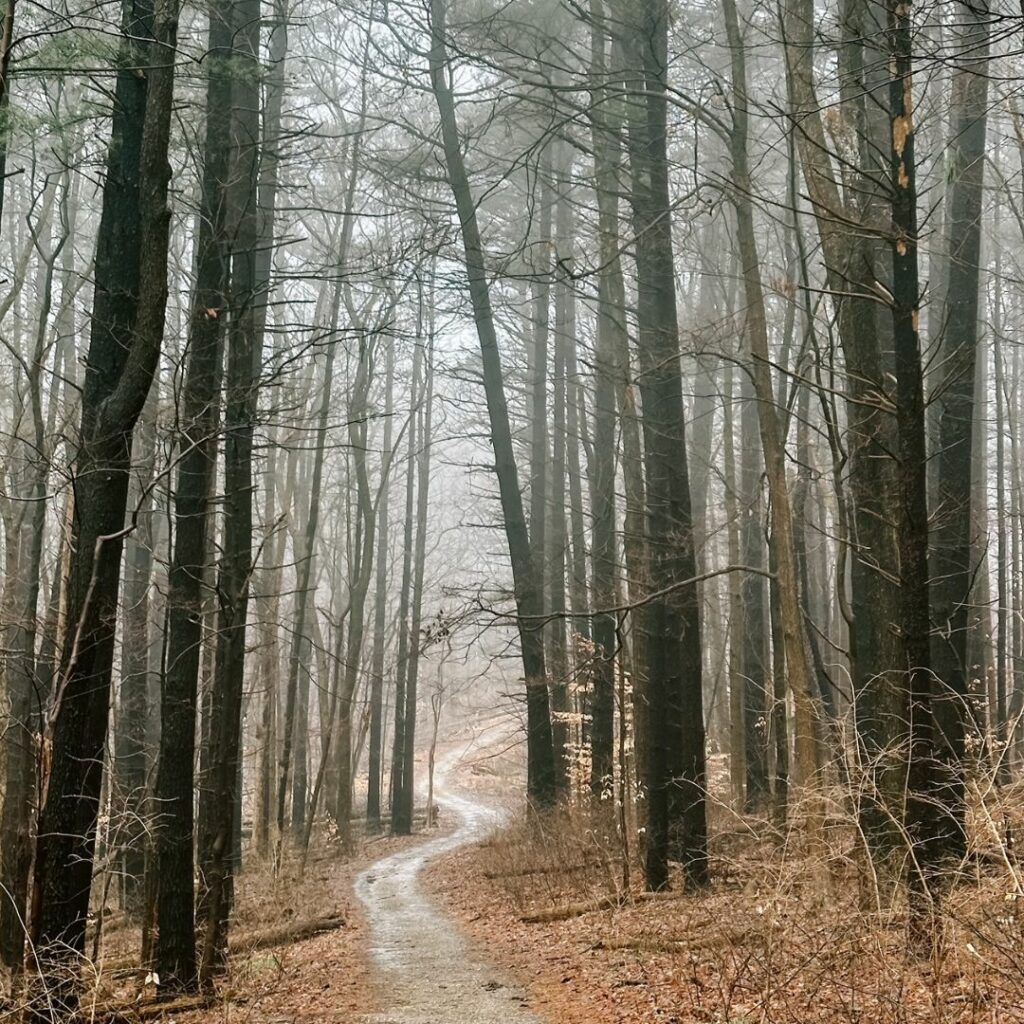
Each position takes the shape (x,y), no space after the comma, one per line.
(398,818)
(130,740)
(609,375)
(244,358)
(951,540)
(25,684)
(303,602)
(175,839)
(527,582)
(923,798)
(127,331)
(854,262)
(752,628)
(537,414)
(6,53)
(557,539)
(773,437)
(360,575)
(677,823)
(419,560)
(1003,570)
(268,183)
(380,609)
(737,625)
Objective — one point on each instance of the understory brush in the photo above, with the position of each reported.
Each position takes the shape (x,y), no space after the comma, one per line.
(789,931)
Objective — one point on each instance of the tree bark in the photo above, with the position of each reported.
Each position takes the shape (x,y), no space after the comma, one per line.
(130,740)
(527,582)
(244,357)
(677,823)
(808,758)
(380,609)
(398,817)
(611,331)
(952,568)
(408,792)
(127,332)
(923,813)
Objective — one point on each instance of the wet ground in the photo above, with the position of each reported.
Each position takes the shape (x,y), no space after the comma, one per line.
(428,972)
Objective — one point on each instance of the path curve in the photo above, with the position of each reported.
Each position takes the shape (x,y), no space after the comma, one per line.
(430,975)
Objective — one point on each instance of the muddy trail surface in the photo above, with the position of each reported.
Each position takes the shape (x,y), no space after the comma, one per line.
(428,971)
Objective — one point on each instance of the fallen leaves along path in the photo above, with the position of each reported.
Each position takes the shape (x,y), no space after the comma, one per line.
(323,978)
(428,971)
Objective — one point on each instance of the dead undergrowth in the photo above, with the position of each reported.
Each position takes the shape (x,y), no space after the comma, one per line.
(298,950)
(780,937)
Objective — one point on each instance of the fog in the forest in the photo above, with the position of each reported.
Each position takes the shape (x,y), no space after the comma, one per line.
(570,447)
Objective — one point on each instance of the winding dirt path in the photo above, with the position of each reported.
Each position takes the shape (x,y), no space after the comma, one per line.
(429,973)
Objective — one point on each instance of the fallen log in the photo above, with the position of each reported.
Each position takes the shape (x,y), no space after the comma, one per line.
(247,942)
(133,1013)
(546,869)
(567,911)
(281,935)
(707,939)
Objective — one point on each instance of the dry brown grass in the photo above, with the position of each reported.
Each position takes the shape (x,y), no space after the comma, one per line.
(780,937)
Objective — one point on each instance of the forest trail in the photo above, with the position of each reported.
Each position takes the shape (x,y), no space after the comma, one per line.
(428,970)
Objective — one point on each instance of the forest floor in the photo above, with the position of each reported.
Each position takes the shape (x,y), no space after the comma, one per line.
(778,939)
(384,954)
(493,920)
(278,974)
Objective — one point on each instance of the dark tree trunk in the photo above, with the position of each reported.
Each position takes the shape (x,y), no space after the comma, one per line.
(854,259)
(380,610)
(952,569)
(398,819)
(175,837)
(611,330)
(419,561)
(537,415)
(361,572)
(677,824)
(130,770)
(241,379)
(754,646)
(923,812)
(127,331)
(527,582)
